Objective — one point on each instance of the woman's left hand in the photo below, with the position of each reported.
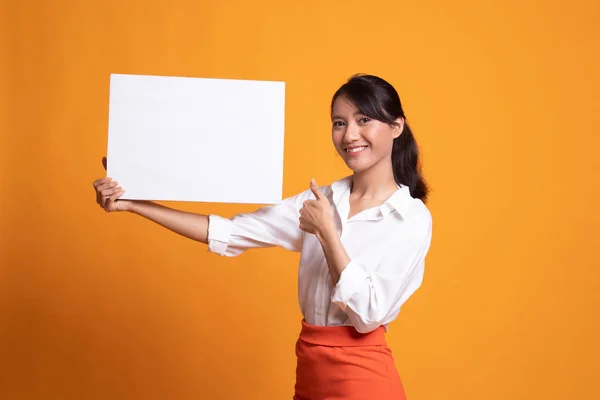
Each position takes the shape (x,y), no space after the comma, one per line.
(316,216)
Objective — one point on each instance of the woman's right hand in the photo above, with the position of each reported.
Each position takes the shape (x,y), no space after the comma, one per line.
(108,193)
(190,225)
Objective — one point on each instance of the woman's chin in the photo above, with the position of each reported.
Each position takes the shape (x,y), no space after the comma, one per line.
(356,166)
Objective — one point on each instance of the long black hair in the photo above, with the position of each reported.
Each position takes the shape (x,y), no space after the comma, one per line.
(377,99)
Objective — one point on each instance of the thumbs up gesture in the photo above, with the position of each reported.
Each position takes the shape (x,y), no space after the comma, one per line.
(316,216)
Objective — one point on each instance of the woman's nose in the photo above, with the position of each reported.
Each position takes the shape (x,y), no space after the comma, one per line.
(352,133)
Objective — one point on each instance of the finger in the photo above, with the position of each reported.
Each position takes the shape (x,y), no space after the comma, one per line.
(104,162)
(106,186)
(101,181)
(110,191)
(307,205)
(302,225)
(117,194)
(105,190)
(110,200)
(316,190)
(106,194)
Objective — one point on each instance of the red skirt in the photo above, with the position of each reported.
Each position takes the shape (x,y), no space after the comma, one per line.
(338,363)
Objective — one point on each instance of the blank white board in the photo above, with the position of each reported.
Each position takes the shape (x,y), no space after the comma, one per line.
(196,139)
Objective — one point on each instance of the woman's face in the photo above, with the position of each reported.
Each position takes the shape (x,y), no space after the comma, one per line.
(361,141)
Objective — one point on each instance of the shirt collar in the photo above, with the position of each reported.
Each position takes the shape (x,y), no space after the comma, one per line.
(338,188)
(399,201)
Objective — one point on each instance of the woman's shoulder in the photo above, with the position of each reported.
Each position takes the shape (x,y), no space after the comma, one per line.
(412,214)
(419,209)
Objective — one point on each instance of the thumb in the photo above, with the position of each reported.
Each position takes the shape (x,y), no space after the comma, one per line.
(316,190)
(104,162)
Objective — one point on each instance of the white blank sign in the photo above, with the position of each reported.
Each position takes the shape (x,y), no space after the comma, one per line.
(196,139)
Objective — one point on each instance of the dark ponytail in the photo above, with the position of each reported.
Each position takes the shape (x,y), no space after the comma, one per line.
(377,99)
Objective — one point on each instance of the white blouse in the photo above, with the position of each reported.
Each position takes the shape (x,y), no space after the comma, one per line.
(386,244)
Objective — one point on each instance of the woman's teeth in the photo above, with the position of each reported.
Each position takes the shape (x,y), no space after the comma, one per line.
(356,149)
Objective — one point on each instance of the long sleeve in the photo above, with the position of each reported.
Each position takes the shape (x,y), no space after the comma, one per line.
(371,295)
(269,226)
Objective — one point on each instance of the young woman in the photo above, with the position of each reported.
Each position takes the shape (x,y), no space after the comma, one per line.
(363,241)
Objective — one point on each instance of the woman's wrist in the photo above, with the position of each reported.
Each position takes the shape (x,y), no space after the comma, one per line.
(135,206)
(327,233)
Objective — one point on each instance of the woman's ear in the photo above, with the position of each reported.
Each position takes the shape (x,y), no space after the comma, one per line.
(398,127)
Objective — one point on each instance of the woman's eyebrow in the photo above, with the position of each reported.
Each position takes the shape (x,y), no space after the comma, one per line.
(357,112)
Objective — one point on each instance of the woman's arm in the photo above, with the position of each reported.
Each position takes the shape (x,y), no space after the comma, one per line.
(335,253)
(190,225)
(371,295)
(193,226)
(316,217)
(268,226)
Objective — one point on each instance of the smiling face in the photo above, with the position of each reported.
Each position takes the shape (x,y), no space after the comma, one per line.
(363,142)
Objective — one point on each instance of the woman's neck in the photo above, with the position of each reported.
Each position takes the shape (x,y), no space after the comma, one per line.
(376,183)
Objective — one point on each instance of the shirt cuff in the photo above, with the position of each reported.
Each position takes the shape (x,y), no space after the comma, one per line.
(351,280)
(219,232)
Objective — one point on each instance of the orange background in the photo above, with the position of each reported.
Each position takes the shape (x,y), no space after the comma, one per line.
(502,97)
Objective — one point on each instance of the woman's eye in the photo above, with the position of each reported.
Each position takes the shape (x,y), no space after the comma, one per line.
(338,123)
(364,120)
